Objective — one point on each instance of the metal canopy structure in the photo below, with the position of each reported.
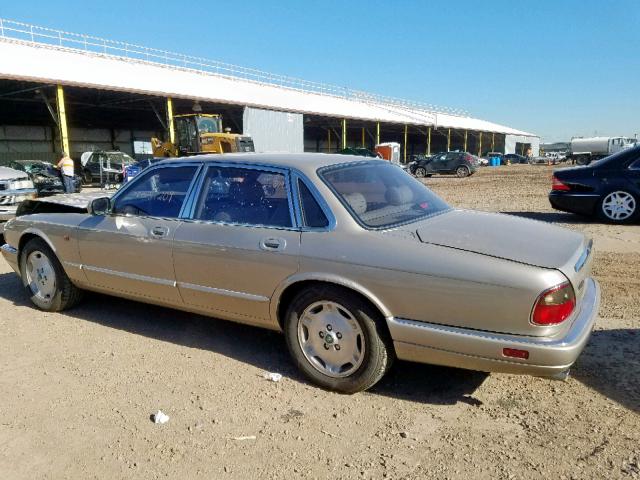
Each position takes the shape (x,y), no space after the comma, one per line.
(32,53)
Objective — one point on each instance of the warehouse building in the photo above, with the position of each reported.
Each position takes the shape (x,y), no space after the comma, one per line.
(60,90)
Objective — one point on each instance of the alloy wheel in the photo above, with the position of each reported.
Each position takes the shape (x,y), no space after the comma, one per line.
(331,339)
(619,206)
(41,277)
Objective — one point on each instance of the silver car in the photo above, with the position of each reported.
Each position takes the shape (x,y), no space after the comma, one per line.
(355,261)
(15,186)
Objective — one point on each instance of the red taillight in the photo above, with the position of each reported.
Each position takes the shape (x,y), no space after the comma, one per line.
(558,185)
(468,158)
(554,305)
(515,353)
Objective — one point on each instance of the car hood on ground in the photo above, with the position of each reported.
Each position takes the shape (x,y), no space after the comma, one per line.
(7,173)
(502,236)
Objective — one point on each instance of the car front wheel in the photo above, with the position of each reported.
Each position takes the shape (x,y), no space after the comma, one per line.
(337,340)
(618,207)
(421,172)
(44,279)
(462,171)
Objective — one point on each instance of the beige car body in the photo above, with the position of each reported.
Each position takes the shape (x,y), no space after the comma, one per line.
(455,289)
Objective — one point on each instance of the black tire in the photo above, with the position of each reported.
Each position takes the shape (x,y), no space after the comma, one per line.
(603,216)
(87,177)
(429,175)
(65,294)
(462,171)
(378,352)
(421,172)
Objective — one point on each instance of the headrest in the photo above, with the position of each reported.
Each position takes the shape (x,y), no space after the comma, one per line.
(399,195)
(357,202)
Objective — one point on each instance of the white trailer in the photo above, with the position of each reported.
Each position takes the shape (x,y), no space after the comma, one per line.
(585,150)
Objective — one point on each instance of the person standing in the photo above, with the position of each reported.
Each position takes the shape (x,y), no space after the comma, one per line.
(68,175)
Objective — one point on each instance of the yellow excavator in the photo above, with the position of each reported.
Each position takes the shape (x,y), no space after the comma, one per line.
(200,133)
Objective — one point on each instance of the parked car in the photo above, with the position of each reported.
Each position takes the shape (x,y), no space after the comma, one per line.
(131,170)
(15,186)
(461,164)
(608,188)
(514,159)
(356,262)
(111,163)
(46,178)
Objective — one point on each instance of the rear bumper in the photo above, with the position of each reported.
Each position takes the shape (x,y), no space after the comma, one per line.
(10,254)
(478,350)
(583,204)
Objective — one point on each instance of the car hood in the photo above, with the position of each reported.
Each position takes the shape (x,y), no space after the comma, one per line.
(502,236)
(7,173)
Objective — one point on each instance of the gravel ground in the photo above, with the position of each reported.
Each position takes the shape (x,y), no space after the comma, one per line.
(77,389)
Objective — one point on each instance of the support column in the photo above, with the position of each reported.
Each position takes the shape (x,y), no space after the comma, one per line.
(465,140)
(406,136)
(480,146)
(362,137)
(344,133)
(377,133)
(329,140)
(172,131)
(62,120)
(493,142)
(429,141)
(449,140)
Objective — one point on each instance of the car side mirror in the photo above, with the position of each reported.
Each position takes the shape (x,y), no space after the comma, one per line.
(100,206)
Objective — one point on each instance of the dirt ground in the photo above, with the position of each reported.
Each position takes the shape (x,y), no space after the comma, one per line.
(77,389)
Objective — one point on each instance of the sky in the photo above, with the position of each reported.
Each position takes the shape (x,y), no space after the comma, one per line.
(557,68)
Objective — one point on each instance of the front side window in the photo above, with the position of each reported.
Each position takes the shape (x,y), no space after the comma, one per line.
(244,196)
(389,196)
(158,193)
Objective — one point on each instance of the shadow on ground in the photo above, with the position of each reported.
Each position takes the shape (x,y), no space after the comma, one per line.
(610,364)
(261,348)
(553,217)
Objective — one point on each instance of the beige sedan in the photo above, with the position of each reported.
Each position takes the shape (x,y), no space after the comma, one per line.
(354,260)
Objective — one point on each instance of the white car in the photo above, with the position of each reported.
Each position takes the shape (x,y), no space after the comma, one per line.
(15,186)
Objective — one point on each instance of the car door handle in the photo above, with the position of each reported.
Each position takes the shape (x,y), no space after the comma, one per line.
(272,243)
(159,231)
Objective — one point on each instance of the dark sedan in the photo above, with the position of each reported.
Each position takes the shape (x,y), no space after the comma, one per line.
(608,188)
(461,164)
(46,178)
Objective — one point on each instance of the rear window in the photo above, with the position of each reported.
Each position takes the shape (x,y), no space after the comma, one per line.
(380,195)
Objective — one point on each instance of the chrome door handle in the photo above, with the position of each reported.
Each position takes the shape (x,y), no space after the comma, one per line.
(159,231)
(272,243)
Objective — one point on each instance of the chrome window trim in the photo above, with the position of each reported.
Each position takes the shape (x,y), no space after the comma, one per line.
(299,177)
(189,216)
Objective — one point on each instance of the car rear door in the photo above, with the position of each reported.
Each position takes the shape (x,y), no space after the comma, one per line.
(130,250)
(239,242)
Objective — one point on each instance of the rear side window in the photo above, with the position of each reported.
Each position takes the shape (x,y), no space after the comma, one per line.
(158,193)
(312,214)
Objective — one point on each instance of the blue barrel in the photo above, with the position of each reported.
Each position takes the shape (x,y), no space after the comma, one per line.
(495,161)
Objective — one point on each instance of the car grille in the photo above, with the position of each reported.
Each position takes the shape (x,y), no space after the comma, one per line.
(3,186)
(6,200)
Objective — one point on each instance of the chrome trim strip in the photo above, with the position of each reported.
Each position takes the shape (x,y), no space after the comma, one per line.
(6,248)
(221,291)
(79,266)
(583,258)
(131,276)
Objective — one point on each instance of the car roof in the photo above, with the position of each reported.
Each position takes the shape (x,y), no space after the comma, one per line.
(305,162)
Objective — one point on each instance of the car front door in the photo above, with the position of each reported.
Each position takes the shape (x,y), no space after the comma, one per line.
(452,161)
(239,244)
(436,165)
(129,250)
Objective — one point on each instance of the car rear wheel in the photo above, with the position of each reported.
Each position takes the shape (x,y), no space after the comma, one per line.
(421,172)
(462,171)
(87,177)
(618,207)
(44,279)
(337,340)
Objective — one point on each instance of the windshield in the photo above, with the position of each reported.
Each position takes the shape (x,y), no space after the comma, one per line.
(208,125)
(381,195)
